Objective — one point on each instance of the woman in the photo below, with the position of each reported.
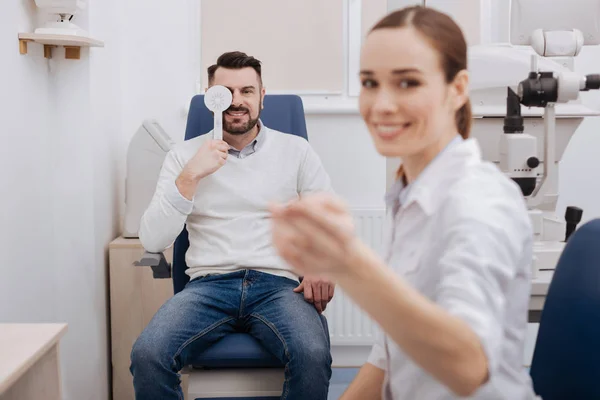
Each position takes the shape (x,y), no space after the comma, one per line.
(452,291)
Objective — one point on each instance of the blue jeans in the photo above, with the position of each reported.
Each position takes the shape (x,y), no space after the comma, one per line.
(213,306)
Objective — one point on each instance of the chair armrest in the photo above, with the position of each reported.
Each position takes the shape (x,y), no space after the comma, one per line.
(161,269)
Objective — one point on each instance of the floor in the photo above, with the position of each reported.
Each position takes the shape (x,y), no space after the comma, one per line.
(340,379)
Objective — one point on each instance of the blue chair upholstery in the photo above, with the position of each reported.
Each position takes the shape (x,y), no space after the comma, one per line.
(284,113)
(566,359)
(237,350)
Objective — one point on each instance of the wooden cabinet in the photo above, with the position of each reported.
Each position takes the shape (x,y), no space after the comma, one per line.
(29,361)
(135,296)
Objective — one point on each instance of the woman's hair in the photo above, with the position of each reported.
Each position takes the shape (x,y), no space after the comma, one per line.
(446,37)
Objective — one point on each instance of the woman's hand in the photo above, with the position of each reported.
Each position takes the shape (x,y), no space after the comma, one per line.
(315,234)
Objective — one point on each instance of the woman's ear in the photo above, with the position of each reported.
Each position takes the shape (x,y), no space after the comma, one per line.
(460,88)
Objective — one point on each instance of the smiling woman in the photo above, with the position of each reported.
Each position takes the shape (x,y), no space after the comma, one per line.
(458,252)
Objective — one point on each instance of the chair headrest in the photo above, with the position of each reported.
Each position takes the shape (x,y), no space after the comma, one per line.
(281,112)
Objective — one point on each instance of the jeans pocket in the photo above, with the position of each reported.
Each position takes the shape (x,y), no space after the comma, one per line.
(197,280)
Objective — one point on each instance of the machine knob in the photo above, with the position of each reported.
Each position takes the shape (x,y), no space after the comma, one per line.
(533,162)
(572,217)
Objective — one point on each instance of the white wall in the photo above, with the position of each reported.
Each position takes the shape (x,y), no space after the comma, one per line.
(60,125)
(28,282)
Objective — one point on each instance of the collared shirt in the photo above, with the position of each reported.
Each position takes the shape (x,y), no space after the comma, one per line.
(461,235)
(251,147)
(399,192)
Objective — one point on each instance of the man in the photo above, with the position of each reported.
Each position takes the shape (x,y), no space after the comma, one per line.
(221,190)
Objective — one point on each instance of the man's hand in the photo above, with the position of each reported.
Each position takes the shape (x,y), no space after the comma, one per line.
(318,291)
(210,157)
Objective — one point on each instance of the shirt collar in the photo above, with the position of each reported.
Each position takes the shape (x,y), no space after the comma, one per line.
(255,144)
(259,140)
(430,187)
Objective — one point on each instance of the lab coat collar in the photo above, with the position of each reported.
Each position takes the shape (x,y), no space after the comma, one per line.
(429,189)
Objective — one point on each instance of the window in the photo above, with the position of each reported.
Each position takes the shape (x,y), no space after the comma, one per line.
(299,42)
(308,47)
(312,47)
(469,15)
(473,16)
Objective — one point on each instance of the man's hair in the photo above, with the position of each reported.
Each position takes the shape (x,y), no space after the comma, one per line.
(235,60)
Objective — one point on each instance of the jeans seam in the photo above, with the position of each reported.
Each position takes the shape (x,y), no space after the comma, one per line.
(243,294)
(200,334)
(285,348)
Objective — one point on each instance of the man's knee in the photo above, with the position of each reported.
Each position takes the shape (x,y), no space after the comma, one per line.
(313,352)
(148,350)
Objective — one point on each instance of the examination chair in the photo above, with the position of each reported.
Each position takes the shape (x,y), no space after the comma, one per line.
(566,358)
(237,366)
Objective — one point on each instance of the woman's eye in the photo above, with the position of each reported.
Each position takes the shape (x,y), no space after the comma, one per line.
(369,83)
(408,83)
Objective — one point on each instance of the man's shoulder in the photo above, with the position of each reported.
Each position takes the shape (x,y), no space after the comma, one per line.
(287,139)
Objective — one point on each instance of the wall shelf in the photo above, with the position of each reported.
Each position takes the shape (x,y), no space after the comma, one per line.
(72,44)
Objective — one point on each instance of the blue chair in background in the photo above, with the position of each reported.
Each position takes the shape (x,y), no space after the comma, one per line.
(566,358)
(237,366)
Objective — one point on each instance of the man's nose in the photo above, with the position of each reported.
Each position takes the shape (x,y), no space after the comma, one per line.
(237,98)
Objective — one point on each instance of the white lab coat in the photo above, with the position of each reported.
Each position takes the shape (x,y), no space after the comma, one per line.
(461,235)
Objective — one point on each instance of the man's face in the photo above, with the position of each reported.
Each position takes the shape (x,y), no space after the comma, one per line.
(244,112)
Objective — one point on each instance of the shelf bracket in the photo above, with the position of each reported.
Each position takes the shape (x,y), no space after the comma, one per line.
(23,46)
(48,50)
(72,52)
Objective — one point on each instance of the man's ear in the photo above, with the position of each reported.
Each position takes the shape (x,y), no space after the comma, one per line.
(263,91)
(460,89)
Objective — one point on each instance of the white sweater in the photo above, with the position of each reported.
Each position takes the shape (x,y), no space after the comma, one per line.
(228,219)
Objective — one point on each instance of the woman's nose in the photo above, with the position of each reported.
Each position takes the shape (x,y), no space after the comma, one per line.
(385,102)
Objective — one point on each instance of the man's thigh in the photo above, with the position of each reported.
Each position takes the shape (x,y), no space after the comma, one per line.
(193,319)
(284,322)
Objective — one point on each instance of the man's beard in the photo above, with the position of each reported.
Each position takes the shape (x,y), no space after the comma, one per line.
(237,129)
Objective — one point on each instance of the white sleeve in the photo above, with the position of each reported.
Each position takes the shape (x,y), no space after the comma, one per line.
(378,355)
(312,176)
(481,260)
(167,212)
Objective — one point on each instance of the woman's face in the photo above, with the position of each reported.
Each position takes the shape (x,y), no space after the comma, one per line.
(404,100)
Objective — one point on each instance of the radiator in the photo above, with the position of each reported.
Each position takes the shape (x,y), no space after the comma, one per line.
(348,324)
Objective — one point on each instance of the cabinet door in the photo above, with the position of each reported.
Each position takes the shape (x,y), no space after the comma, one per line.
(135,296)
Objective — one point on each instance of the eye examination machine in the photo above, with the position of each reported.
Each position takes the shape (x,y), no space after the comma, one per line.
(145,155)
(526,105)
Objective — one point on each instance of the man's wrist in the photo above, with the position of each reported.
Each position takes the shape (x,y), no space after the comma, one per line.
(187,183)
(189,177)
